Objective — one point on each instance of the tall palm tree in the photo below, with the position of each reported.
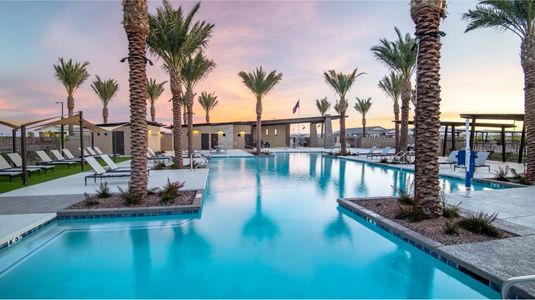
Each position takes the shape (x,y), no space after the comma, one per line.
(208,101)
(105,90)
(363,106)
(518,17)
(72,75)
(392,85)
(323,106)
(260,85)
(400,58)
(174,37)
(136,26)
(154,91)
(341,83)
(427,15)
(194,70)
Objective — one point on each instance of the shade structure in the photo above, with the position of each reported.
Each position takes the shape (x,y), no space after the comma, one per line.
(75,120)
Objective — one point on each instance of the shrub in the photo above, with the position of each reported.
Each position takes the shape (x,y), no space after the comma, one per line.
(448,211)
(128,196)
(384,160)
(451,228)
(89,200)
(103,191)
(170,190)
(501,174)
(159,165)
(481,223)
(521,177)
(404,195)
(412,214)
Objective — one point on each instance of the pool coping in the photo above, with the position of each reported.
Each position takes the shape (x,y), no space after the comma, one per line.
(431,247)
(75,214)
(18,235)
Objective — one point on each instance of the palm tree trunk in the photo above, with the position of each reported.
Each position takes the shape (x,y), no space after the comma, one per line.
(426,178)
(258,126)
(207,117)
(136,27)
(152,113)
(70,108)
(528,66)
(405,108)
(396,125)
(363,127)
(176,91)
(343,147)
(190,123)
(185,113)
(105,114)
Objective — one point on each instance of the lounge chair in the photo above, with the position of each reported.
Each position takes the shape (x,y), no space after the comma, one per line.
(6,167)
(385,152)
(91,151)
(17,161)
(369,153)
(451,159)
(60,157)
(10,174)
(218,150)
(69,155)
(46,160)
(479,160)
(152,156)
(98,151)
(113,167)
(100,172)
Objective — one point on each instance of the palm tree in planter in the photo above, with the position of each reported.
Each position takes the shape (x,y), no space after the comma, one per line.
(427,15)
(208,102)
(518,17)
(363,106)
(105,90)
(194,70)
(323,106)
(136,26)
(392,85)
(400,58)
(72,75)
(173,38)
(342,83)
(260,84)
(154,91)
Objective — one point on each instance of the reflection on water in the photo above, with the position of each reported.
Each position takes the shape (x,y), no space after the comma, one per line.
(338,229)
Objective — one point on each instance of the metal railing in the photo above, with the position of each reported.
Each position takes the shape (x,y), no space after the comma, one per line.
(508,284)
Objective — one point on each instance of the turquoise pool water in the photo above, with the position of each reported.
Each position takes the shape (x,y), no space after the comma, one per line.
(270,228)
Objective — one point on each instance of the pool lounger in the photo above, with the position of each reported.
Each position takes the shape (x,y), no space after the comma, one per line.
(451,159)
(11,174)
(46,160)
(6,167)
(17,161)
(113,167)
(68,154)
(100,172)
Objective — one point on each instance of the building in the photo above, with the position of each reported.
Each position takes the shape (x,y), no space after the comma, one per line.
(372,132)
(117,137)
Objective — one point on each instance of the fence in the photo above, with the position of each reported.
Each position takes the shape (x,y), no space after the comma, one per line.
(32,143)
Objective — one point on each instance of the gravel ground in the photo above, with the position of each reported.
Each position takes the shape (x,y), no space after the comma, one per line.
(433,228)
(184,198)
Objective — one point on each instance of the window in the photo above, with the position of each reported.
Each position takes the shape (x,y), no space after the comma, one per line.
(267,131)
(275,131)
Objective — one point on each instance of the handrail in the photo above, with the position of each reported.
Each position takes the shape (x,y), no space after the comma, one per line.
(514,280)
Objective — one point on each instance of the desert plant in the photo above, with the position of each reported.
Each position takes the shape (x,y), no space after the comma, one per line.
(449,211)
(451,228)
(520,177)
(501,173)
(128,196)
(412,214)
(481,223)
(159,165)
(384,160)
(170,190)
(405,194)
(90,200)
(103,191)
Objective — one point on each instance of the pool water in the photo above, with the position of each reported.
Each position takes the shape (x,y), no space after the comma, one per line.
(270,228)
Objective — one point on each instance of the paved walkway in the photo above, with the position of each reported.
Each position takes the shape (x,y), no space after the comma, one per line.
(12,226)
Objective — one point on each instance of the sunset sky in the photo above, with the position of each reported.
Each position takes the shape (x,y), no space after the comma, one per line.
(480,70)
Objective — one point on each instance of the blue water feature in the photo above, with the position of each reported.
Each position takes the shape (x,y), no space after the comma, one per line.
(270,228)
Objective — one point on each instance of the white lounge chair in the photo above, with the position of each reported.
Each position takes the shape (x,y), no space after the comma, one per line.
(98,151)
(69,155)
(91,151)
(369,153)
(385,152)
(451,159)
(479,162)
(6,167)
(46,160)
(60,157)
(100,172)
(113,167)
(17,161)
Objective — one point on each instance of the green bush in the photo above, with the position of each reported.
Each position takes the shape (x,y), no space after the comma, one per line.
(451,228)
(481,223)
(404,195)
(501,173)
(170,190)
(159,165)
(521,177)
(448,211)
(412,214)
(103,191)
(89,200)
(128,196)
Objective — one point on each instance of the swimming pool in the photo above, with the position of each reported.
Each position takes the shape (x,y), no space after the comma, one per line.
(270,228)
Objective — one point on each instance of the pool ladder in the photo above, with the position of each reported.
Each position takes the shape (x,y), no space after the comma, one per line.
(514,280)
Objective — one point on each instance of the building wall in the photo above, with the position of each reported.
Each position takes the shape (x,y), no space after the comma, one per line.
(239,135)
(154,138)
(166,142)
(275,135)
(103,140)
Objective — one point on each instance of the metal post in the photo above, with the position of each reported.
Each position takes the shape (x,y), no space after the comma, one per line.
(92,139)
(81,116)
(503,143)
(468,159)
(23,153)
(445,144)
(452,137)
(522,143)
(472,133)
(62,127)
(14,140)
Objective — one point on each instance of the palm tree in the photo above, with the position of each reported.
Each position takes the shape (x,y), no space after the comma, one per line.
(194,70)
(518,17)
(105,90)
(400,58)
(427,16)
(323,106)
(72,75)
(154,91)
(363,106)
(173,37)
(392,85)
(208,101)
(260,85)
(341,83)
(136,26)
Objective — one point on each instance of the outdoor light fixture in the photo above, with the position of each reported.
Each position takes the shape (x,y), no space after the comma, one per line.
(146,60)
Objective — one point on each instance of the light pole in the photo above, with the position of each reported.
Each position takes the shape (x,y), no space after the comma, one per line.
(62,127)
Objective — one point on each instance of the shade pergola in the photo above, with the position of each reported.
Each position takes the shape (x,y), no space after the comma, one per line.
(17,125)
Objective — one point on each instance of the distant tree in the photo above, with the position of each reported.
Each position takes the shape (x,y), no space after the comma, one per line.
(105,90)
(208,101)
(323,106)
(154,91)
(363,106)
(392,85)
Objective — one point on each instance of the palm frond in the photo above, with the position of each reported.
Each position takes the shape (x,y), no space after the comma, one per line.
(363,105)
(105,89)
(398,55)
(71,74)
(154,90)
(392,85)
(341,82)
(259,82)
(208,101)
(196,68)
(323,105)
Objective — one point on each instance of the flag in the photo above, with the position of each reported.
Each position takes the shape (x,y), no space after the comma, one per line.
(296,107)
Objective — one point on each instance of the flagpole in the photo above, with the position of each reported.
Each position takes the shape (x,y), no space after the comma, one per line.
(299,124)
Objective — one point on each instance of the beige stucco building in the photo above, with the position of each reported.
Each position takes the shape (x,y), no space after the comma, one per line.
(116,137)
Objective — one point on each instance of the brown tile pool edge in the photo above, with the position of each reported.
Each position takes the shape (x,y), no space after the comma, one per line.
(431,247)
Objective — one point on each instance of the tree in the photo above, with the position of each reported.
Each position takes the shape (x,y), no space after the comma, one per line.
(174,38)
(154,91)
(136,26)
(400,57)
(194,70)
(341,83)
(208,102)
(323,106)
(363,106)
(518,17)
(427,16)
(72,75)
(105,90)
(260,84)
(392,85)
